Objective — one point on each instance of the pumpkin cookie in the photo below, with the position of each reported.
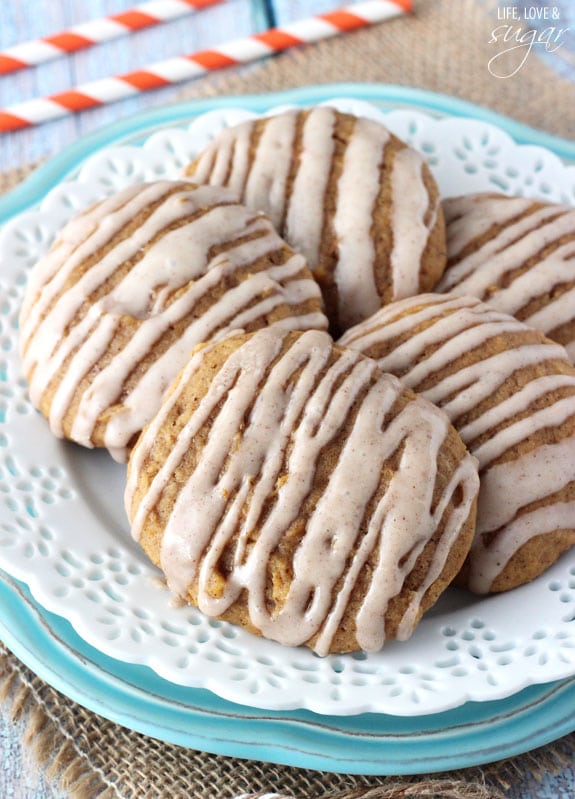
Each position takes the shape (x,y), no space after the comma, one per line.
(518,255)
(510,393)
(244,489)
(132,285)
(361,206)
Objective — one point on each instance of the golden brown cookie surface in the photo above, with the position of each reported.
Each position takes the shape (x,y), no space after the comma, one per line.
(510,393)
(361,206)
(132,285)
(518,255)
(292,488)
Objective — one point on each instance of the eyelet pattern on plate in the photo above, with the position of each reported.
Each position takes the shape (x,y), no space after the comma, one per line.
(64,533)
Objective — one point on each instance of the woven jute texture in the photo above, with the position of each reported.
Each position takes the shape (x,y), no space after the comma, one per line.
(92,758)
(443,47)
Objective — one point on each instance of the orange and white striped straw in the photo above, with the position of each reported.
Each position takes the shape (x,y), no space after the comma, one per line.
(96,31)
(174,70)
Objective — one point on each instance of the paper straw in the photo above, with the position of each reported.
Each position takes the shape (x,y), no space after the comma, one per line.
(174,70)
(87,34)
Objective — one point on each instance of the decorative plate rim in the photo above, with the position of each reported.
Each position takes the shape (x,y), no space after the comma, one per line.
(136,698)
(472,637)
(385,95)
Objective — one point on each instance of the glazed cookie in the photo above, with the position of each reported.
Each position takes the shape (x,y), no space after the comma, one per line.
(518,255)
(244,491)
(510,392)
(361,206)
(132,285)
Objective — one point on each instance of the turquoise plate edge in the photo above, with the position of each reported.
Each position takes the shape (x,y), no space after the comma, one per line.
(369,744)
(135,697)
(390,96)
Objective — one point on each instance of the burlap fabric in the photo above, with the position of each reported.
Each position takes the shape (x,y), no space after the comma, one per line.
(444,47)
(92,758)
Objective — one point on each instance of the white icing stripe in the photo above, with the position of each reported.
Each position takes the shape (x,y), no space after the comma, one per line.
(357,191)
(474,384)
(485,272)
(507,487)
(45,368)
(367,333)
(331,530)
(350,258)
(76,233)
(559,312)
(489,265)
(415,427)
(221,161)
(88,353)
(234,390)
(304,219)
(517,403)
(265,187)
(459,332)
(302,398)
(410,233)
(445,339)
(471,216)
(470,338)
(506,251)
(553,416)
(456,333)
(54,326)
(220,316)
(457,517)
(53,340)
(229,162)
(107,385)
(146,441)
(535,282)
(223,317)
(488,562)
(240,161)
(441,333)
(159,273)
(80,239)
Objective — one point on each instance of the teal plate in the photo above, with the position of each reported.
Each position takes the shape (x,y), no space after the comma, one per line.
(384,96)
(137,698)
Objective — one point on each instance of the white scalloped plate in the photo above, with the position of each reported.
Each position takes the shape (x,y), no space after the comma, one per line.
(62,525)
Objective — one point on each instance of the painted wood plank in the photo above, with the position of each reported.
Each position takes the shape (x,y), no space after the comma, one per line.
(22,21)
(19,779)
(290,10)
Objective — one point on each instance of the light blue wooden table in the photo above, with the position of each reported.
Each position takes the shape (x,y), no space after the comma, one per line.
(25,20)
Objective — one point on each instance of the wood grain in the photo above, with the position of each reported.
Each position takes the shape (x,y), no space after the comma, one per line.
(34,18)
